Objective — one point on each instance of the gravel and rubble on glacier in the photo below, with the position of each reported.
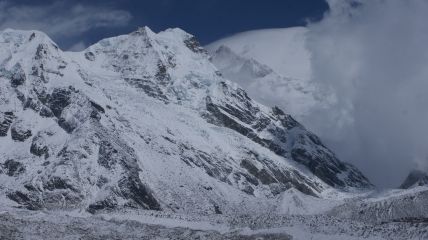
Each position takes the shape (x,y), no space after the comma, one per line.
(139,136)
(146,224)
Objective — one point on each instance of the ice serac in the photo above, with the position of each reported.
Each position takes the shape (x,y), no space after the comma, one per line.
(145,120)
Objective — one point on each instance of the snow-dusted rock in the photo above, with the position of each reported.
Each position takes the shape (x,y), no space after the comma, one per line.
(21,130)
(6,120)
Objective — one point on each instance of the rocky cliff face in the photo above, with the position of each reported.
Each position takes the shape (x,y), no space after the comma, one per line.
(146,121)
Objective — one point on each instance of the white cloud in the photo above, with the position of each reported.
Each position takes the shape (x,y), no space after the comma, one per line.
(59,19)
(372,55)
(77,47)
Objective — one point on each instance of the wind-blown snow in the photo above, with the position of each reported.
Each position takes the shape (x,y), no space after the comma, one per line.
(273,66)
(281,49)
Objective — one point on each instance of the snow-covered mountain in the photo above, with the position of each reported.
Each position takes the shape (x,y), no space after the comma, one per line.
(145,120)
(261,82)
(143,131)
(273,66)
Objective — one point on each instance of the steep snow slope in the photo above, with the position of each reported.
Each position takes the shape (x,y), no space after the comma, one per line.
(146,121)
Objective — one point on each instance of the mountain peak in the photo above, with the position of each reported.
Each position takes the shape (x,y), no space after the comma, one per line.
(143,31)
(414,179)
(20,37)
(16,46)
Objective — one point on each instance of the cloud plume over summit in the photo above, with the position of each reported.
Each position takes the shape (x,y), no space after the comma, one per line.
(372,57)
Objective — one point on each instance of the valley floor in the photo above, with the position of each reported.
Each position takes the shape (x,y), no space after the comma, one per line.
(24,224)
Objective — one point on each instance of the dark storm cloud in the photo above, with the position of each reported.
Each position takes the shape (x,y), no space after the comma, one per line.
(372,57)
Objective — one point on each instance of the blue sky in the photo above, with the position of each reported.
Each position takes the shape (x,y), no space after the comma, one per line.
(77,23)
